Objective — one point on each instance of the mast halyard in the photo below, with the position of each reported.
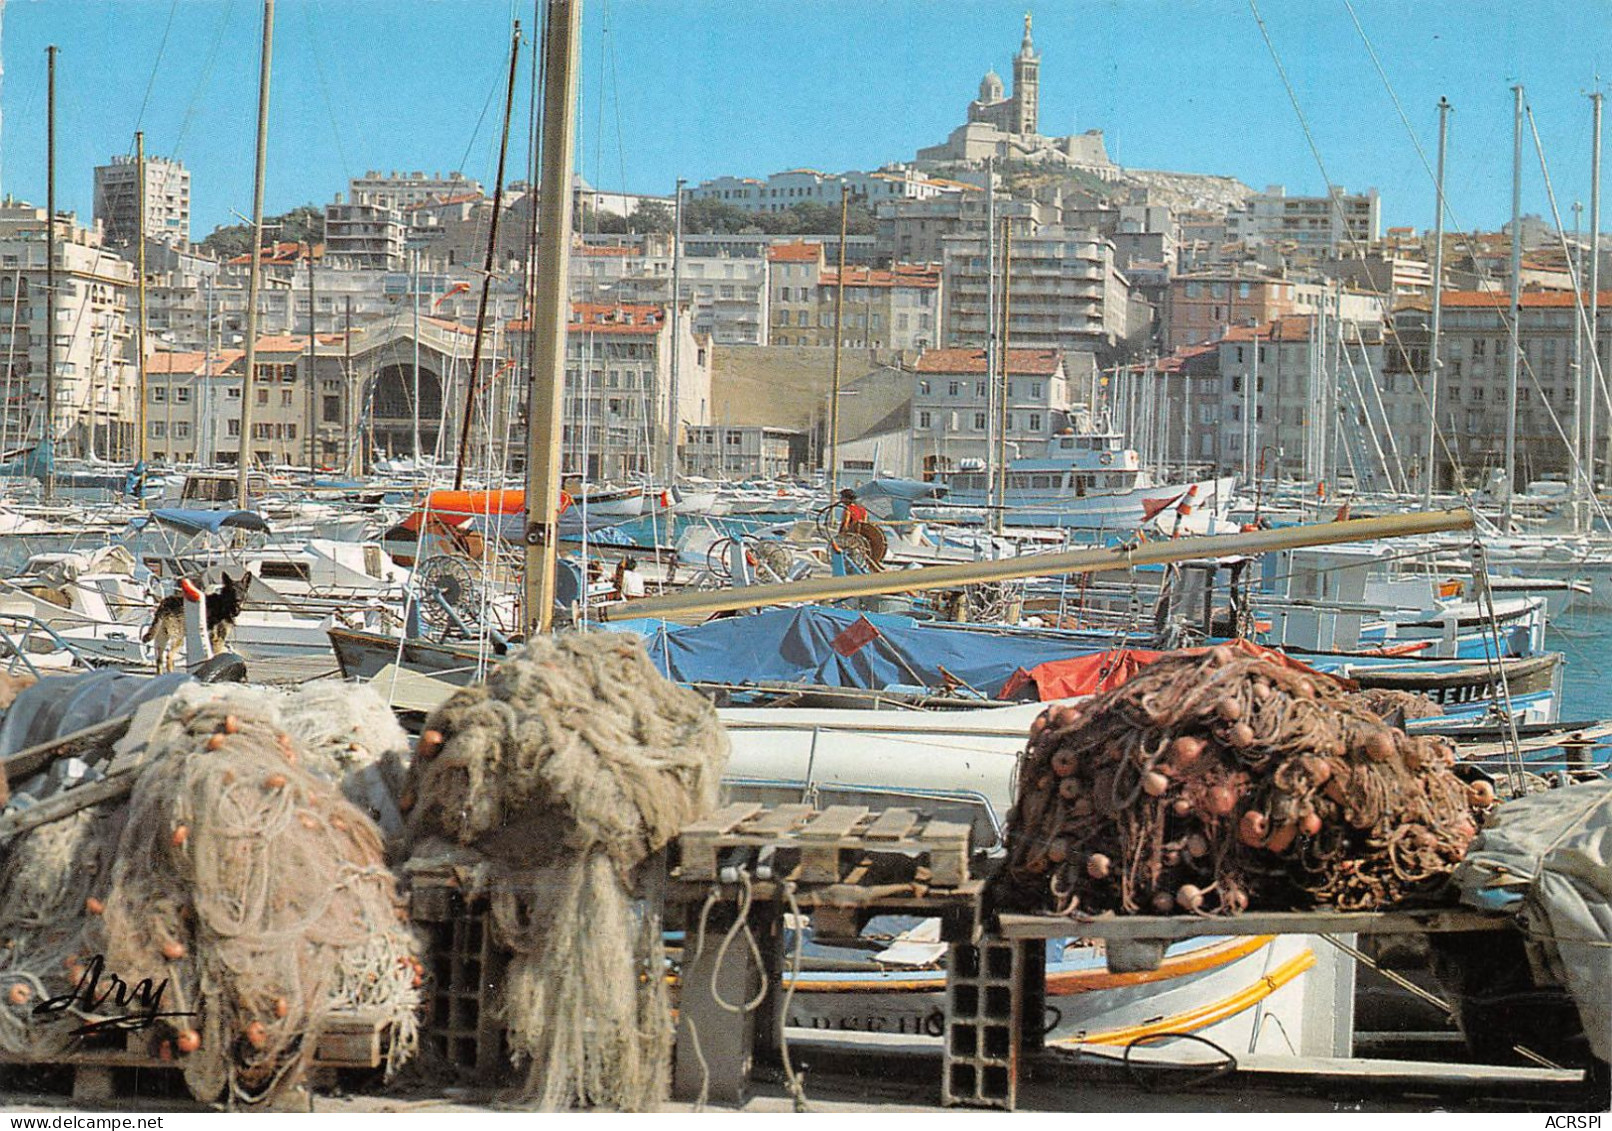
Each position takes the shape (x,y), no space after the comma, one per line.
(141,441)
(473,380)
(1513,354)
(243,459)
(47,429)
(1435,331)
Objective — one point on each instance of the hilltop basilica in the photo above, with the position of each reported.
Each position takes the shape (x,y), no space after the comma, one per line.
(1003,126)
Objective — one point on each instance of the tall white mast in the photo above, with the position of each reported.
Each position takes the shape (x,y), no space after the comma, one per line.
(1516,310)
(1430,477)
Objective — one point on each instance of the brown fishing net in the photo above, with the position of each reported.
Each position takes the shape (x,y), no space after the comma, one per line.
(1384,702)
(235,873)
(566,771)
(1216,782)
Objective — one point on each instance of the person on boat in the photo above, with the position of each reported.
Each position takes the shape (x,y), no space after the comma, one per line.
(628,581)
(855,513)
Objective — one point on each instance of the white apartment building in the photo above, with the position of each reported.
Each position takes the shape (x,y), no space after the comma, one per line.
(725,295)
(117,195)
(782,191)
(93,335)
(951,403)
(1316,225)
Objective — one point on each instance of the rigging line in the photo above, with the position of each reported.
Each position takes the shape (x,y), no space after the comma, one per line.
(1389,329)
(1465,237)
(203,78)
(1573,268)
(324,93)
(615,88)
(156,65)
(492,93)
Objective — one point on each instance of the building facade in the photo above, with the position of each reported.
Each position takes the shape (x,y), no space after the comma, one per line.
(896,308)
(1315,225)
(93,335)
(117,201)
(1066,293)
(951,404)
(740,452)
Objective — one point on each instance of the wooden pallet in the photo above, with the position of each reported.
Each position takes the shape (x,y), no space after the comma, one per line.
(832,843)
(348,1040)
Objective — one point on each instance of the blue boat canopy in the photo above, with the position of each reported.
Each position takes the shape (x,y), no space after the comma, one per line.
(205,521)
(844,648)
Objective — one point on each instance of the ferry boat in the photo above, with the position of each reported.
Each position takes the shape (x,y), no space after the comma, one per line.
(1088,480)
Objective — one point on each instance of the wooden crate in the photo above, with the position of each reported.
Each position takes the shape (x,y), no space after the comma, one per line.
(826,846)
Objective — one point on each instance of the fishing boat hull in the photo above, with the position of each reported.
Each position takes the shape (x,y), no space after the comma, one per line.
(1097,510)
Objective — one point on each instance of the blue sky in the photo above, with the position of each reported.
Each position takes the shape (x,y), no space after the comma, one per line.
(698,88)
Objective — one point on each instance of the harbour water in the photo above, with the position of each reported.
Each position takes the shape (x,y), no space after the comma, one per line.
(1585,639)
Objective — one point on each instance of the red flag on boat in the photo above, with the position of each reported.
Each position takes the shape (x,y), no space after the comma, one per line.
(854,637)
(456,289)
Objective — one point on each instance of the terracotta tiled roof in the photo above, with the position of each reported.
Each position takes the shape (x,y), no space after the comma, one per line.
(903,274)
(1031,362)
(607,250)
(1501,300)
(607,318)
(286,251)
(797,252)
(293,343)
(1295,328)
(190,363)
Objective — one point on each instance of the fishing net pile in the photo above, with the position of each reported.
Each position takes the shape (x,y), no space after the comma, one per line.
(566,771)
(1215,782)
(1386,702)
(235,871)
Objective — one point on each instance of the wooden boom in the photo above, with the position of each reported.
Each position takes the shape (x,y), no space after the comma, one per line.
(1040,565)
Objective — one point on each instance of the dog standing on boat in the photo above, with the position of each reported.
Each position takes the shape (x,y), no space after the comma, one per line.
(167,632)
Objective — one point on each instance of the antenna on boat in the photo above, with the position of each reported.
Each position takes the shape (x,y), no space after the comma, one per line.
(546,391)
(243,458)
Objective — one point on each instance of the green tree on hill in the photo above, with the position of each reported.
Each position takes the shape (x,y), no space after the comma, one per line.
(303,224)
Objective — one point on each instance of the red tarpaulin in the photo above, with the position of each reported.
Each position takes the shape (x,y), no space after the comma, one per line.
(1102,671)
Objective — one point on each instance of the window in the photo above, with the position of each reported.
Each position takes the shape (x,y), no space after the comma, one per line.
(156,429)
(182,395)
(953,388)
(159,394)
(979,388)
(232,427)
(262,396)
(1035,389)
(332,410)
(1035,422)
(287,398)
(979,422)
(181,429)
(924,420)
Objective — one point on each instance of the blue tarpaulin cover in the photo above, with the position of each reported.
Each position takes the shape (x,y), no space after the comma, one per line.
(799,646)
(196,521)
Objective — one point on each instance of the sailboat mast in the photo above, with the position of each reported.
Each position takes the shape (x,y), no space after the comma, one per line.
(674,417)
(1002,385)
(487,269)
(1593,374)
(243,458)
(1576,452)
(546,392)
(140,327)
(839,341)
(1513,354)
(313,338)
(48,428)
(1435,333)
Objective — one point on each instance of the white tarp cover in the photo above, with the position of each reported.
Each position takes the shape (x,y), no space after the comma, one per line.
(1549,857)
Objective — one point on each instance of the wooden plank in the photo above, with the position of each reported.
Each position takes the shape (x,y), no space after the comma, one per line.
(892,824)
(64,805)
(819,864)
(947,842)
(24,763)
(833,823)
(724,819)
(777,820)
(1255,923)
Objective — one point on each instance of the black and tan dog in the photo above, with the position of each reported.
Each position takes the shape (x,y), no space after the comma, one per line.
(167,632)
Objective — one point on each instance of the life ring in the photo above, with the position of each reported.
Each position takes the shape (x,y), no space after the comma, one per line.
(1106,458)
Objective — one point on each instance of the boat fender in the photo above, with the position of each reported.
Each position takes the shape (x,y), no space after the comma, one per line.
(1106,458)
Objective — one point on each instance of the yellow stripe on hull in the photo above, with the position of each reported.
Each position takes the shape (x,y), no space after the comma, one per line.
(1206,1015)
